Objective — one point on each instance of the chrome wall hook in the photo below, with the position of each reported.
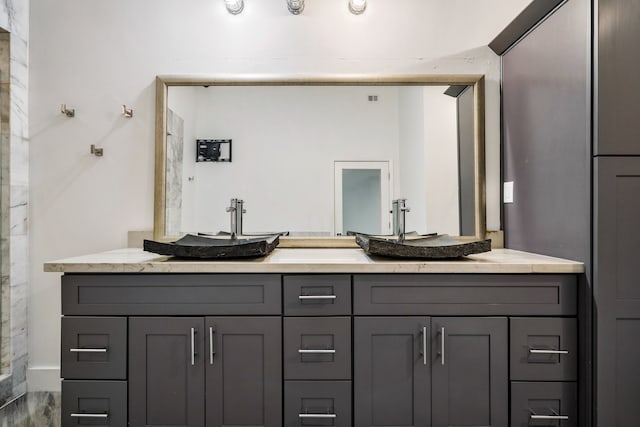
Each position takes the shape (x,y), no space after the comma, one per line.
(98,152)
(68,112)
(127,112)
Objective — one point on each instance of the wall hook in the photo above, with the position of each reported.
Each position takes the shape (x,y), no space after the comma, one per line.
(66,111)
(96,151)
(127,112)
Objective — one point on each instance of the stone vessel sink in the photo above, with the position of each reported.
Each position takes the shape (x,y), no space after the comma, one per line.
(214,247)
(423,247)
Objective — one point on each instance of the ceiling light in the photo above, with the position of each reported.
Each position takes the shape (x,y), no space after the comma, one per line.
(295,6)
(234,6)
(357,6)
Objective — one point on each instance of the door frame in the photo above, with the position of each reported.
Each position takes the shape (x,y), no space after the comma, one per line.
(386,194)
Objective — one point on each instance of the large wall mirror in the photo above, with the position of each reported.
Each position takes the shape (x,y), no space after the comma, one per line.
(318,158)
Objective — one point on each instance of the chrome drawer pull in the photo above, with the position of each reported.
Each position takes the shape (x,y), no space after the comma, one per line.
(538,351)
(305,351)
(424,345)
(304,297)
(74,415)
(88,350)
(193,346)
(549,417)
(442,337)
(212,350)
(317,415)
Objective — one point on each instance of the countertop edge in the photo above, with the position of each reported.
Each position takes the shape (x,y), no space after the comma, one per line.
(503,261)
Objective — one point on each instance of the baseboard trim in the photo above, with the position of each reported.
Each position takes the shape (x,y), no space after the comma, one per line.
(43,379)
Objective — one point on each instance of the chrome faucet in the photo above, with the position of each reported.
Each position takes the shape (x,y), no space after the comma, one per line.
(398,209)
(236,209)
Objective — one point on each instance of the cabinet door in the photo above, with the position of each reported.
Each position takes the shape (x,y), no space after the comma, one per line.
(470,371)
(616,290)
(244,371)
(618,86)
(166,371)
(391,371)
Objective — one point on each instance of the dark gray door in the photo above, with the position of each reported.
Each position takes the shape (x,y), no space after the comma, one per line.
(616,290)
(470,371)
(166,371)
(618,86)
(392,371)
(244,371)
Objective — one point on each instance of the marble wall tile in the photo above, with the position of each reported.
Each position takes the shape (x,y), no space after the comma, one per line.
(19,158)
(18,220)
(14,180)
(39,409)
(18,212)
(19,252)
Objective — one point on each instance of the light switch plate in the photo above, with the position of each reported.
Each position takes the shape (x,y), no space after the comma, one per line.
(508,192)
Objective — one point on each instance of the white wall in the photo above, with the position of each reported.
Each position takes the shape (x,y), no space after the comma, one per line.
(428,159)
(285,142)
(411,169)
(96,55)
(440,153)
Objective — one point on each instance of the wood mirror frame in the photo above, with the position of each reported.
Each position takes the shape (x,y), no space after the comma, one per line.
(163,83)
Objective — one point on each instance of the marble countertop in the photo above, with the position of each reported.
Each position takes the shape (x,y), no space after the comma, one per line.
(312,260)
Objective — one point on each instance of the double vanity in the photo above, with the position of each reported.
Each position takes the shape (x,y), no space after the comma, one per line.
(319,337)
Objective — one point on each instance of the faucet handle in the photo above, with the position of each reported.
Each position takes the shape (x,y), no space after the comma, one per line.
(405,209)
(230,209)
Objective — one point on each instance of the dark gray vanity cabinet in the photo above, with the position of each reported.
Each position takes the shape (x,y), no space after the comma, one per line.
(439,371)
(335,350)
(392,372)
(166,371)
(243,364)
(470,383)
(317,355)
(130,357)
(617,60)
(617,290)
(179,364)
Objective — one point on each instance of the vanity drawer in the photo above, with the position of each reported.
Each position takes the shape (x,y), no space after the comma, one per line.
(544,349)
(317,403)
(317,348)
(544,404)
(317,295)
(171,294)
(94,348)
(102,403)
(465,294)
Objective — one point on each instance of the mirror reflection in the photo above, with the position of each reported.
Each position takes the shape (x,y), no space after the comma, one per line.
(320,160)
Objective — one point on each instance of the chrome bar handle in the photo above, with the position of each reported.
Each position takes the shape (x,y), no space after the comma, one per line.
(305,297)
(548,417)
(317,415)
(540,351)
(211,345)
(424,345)
(88,350)
(82,415)
(193,346)
(310,351)
(442,340)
